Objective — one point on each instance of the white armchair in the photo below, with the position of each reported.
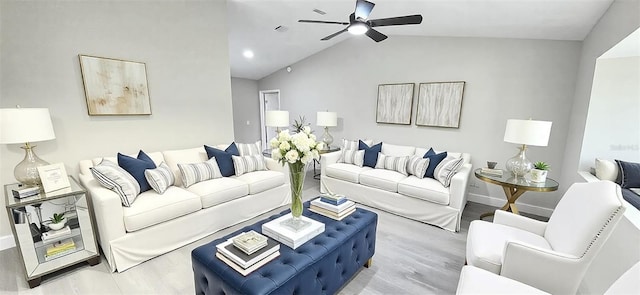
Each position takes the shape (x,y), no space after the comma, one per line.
(552,256)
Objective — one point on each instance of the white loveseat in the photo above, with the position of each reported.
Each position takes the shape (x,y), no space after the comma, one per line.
(158,223)
(426,200)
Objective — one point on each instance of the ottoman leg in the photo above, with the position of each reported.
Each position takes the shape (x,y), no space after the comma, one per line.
(368,263)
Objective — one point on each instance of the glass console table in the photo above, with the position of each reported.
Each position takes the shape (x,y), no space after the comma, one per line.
(42,250)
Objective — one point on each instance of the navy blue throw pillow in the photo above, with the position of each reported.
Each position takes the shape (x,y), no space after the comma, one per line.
(434,160)
(629,174)
(136,168)
(223,158)
(370,153)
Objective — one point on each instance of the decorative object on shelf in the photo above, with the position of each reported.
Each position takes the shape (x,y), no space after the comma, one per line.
(440,104)
(26,126)
(491,165)
(57,221)
(525,132)
(299,125)
(114,86)
(277,119)
(53,177)
(327,119)
(539,172)
(394,103)
(296,151)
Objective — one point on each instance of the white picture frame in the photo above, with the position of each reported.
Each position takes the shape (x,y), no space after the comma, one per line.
(395,103)
(54,177)
(440,104)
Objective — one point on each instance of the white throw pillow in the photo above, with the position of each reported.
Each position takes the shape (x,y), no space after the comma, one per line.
(355,157)
(248,164)
(160,178)
(197,172)
(398,164)
(447,169)
(418,166)
(249,149)
(606,170)
(113,177)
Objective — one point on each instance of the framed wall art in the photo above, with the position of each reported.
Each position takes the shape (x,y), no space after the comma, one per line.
(440,104)
(395,103)
(114,86)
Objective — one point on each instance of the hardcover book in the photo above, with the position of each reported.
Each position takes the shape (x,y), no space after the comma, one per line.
(242,259)
(332,208)
(332,215)
(247,271)
(286,236)
(250,242)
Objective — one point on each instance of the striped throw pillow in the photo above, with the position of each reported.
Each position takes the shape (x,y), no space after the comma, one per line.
(249,149)
(113,177)
(447,169)
(197,172)
(418,166)
(398,164)
(246,164)
(355,157)
(160,178)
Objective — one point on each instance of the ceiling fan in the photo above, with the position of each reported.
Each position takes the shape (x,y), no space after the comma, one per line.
(359,24)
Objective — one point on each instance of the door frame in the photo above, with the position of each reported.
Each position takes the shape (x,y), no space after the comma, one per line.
(263,127)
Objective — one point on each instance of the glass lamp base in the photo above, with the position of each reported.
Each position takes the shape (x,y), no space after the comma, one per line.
(295,224)
(327,138)
(26,172)
(519,165)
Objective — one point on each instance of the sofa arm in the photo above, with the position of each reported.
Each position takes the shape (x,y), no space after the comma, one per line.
(328,159)
(519,221)
(107,209)
(273,165)
(458,187)
(545,269)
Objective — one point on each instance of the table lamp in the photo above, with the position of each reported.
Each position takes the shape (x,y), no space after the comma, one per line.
(277,119)
(525,132)
(26,126)
(326,120)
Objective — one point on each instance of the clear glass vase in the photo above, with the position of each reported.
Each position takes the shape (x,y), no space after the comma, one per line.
(297,172)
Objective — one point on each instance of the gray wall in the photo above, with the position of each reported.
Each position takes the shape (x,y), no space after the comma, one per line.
(505,78)
(613,124)
(246,109)
(620,20)
(184,45)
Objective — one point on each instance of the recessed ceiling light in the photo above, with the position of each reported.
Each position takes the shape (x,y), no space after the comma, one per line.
(248,53)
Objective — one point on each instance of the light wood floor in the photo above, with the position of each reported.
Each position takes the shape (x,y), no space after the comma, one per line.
(411,258)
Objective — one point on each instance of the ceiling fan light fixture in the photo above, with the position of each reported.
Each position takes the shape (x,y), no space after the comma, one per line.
(357,28)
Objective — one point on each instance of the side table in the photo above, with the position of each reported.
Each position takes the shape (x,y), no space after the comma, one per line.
(316,174)
(41,250)
(514,187)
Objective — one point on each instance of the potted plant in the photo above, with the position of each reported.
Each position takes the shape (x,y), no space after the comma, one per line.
(539,171)
(57,221)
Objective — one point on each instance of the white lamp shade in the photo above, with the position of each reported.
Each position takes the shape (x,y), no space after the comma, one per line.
(327,119)
(527,132)
(25,125)
(277,119)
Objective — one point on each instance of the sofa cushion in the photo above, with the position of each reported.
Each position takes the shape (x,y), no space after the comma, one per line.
(160,178)
(418,166)
(249,149)
(175,157)
(219,190)
(246,164)
(355,157)
(354,144)
(193,173)
(382,179)
(397,150)
(398,164)
(260,181)
(427,189)
(370,153)
(606,170)
(447,169)
(346,172)
(151,208)
(113,177)
(136,167)
(224,158)
(434,160)
(629,174)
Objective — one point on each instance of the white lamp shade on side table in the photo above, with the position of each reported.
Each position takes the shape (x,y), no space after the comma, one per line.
(327,119)
(277,119)
(528,132)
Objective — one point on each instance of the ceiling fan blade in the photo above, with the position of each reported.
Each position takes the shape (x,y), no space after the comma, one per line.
(375,35)
(334,34)
(321,22)
(395,21)
(363,9)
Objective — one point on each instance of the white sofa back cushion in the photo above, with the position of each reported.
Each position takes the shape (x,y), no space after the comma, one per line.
(606,170)
(186,156)
(398,150)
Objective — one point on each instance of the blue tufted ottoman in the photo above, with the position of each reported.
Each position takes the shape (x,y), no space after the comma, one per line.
(320,266)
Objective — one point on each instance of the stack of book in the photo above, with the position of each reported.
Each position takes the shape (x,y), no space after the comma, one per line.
(333,206)
(247,252)
(489,171)
(55,234)
(59,249)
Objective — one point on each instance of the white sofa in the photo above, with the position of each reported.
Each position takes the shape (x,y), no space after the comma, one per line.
(156,224)
(425,200)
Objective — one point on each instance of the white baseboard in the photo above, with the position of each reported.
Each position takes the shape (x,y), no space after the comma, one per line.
(7,242)
(499,202)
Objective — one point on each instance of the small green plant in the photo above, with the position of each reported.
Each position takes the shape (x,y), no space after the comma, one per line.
(298,125)
(57,218)
(541,166)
